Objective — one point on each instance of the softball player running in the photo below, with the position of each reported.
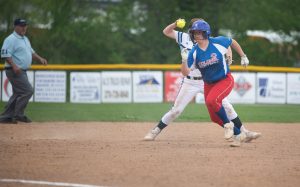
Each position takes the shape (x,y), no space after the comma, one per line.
(193,84)
(208,55)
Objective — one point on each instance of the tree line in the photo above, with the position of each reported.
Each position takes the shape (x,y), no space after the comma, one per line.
(130,31)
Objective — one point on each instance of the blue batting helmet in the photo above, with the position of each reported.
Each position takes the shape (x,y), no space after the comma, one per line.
(200,25)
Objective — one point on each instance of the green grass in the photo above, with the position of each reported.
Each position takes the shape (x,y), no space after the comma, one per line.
(153,112)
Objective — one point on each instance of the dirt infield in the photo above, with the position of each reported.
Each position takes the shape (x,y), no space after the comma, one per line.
(113,154)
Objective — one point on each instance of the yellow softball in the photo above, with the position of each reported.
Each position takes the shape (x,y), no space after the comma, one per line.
(180,23)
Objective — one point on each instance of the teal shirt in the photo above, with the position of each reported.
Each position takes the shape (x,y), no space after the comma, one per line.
(19,49)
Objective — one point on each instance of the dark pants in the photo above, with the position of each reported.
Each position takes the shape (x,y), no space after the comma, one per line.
(22,92)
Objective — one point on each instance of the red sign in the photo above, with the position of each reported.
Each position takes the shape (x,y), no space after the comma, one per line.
(173,80)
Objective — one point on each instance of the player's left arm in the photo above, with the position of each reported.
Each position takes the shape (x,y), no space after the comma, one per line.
(229,56)
(185,70)
(186,58)
(37,57)
(236,46)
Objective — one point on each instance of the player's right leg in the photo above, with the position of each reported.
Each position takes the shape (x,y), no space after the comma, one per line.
(186,93)
(214,95)
(233,116)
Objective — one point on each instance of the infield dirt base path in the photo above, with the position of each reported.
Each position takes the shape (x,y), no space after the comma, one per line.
(113,154)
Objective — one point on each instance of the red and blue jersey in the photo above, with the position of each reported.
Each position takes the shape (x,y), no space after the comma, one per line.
(211,62)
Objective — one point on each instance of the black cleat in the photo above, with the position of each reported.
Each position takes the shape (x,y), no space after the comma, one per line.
(8,120)
(24,119)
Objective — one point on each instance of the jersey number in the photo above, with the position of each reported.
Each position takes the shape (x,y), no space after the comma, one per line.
(3,51)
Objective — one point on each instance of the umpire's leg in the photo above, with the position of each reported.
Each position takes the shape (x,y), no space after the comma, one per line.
(9,110)
(24,90)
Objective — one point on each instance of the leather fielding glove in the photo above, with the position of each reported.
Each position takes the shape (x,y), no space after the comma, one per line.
(184,54)
(244,61)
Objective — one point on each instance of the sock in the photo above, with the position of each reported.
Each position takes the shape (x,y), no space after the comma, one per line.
(236,131)
(243,129)
(161,125)
(222,115)
(237,122)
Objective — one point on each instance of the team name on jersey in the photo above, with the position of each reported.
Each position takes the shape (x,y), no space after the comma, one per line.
(213,60)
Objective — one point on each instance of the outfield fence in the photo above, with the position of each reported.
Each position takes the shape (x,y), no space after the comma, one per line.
(154,67)
(151,83)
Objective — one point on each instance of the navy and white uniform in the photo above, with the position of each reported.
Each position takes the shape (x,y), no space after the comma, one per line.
(191,86)
(184,41)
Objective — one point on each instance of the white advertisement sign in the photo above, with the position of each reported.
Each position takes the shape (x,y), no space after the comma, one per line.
(293,88)
(116,87)
(271,88)
(7,88)
(50,86)
(147,86)
(244,88)
(85,87)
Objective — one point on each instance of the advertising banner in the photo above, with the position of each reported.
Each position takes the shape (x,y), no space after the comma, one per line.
(271,88)
(147,87)
(173,80)
(244,88)
(7,88)
(116,87)
(50,86)
(85,87)
(293,88)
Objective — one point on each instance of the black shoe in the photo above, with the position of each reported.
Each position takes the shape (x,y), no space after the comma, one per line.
(8,120)
(23,119)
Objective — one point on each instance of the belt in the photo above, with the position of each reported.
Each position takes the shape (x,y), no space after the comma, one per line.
(10,68)
(7,68)
(194,78)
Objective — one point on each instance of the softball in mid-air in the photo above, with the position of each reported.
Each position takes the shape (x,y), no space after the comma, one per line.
(180,23)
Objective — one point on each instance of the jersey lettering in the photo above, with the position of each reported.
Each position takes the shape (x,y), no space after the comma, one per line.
(213,60)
